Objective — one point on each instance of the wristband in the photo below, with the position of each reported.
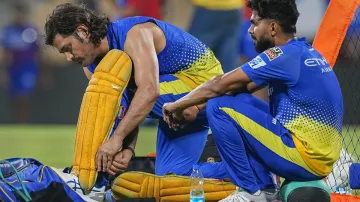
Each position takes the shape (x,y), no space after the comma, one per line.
(197,108)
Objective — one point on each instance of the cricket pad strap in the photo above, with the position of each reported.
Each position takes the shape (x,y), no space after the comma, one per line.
(166,188)
(99,108)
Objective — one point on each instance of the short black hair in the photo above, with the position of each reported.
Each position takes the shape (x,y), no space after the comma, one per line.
(285,12)
(65,18)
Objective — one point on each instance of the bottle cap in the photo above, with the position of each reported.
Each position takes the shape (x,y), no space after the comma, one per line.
(196,166)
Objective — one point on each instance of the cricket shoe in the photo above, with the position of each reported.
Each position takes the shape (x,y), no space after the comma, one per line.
(244,196)
(96,194)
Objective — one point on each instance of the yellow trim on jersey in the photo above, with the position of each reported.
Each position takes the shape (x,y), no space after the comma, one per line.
(318,144)
(203,69)
(268,139)
(174,87)
(200,71)
(220,4)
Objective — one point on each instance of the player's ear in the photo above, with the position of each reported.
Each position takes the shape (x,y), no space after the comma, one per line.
(274,28)
(82,31)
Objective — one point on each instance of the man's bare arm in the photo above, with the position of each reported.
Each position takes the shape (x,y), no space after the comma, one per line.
(232,82)
(140,47)
(131,139)
(188,116)
(250,88)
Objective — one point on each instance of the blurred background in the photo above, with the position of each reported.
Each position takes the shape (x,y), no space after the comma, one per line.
(40,93)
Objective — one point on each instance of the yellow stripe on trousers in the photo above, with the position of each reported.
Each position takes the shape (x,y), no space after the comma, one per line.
(267,138)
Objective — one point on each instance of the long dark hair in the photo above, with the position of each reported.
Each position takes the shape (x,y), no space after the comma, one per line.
(65,18)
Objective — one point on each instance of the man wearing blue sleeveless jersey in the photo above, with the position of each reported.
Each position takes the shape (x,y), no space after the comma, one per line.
(298,134)
(168,63)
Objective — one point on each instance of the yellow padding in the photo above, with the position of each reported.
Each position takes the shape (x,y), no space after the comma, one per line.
(166,188)
(99,108)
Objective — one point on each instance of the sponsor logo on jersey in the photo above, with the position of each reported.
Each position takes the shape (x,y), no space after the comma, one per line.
(257,62)
(273,53)
(326,69)
(314,62)
(318,62)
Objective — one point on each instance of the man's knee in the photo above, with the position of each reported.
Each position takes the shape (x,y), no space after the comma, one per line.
(245,98)
(182,170)
(213,105)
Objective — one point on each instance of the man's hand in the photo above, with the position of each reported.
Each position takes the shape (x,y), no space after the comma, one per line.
(106,152)
(178,119)
(120,162)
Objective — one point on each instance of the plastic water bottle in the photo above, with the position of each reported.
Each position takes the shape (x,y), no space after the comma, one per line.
(196,188)
(343,190)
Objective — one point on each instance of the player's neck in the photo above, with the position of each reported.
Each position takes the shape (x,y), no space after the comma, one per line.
(103,49)
(284,39)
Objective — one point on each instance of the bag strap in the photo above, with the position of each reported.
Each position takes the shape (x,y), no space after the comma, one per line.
(26,196)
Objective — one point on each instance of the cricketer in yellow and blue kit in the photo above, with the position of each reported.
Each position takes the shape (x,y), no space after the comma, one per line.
(184,64)
(297,135)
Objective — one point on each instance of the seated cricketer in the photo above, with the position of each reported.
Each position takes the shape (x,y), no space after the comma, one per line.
(167,64)
(298,134)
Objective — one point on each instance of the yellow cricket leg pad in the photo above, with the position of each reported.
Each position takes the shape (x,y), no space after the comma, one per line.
(99,108)
(166,188)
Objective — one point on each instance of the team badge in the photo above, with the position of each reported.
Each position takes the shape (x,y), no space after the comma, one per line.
(273,53)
